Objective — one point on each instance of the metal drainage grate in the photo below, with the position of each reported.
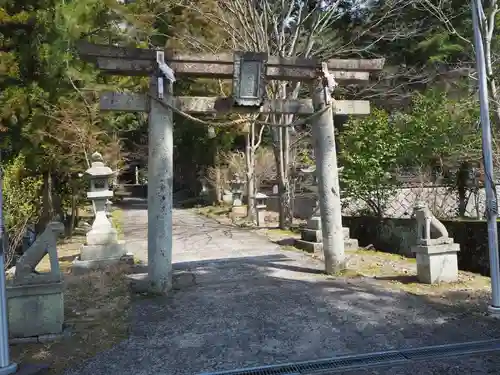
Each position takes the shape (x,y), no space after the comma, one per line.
(360,361)
(452,350)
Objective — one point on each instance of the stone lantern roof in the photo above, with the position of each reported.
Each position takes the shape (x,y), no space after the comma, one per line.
(98,168)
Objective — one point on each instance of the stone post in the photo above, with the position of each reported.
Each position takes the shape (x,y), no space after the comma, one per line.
(227,197)
(260,208)
(108,208)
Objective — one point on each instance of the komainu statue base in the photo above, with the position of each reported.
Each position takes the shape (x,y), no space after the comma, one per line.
(35,300)
(35,310)
(437,263)
(81,266)
(436,257)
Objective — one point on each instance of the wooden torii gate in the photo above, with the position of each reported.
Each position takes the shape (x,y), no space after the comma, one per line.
(144,62)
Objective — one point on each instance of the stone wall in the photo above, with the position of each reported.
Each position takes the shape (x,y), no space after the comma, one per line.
(440,199)
(398,235)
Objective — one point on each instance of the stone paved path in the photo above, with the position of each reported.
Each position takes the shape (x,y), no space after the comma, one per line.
(256,304)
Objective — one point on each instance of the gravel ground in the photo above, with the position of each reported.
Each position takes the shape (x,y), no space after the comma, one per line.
(257,304)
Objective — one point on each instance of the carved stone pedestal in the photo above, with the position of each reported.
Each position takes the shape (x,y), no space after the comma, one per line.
(35,310)
(239,211)
(102,243)
(93,257)
(436,257)
(260,208)
(35,304)
(100,251)
(311,237)
(437,263)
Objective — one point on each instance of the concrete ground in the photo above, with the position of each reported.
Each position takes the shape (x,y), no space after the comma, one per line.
(255,304)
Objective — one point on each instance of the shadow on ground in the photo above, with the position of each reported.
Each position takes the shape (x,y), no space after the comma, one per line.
(132,204)
(285,242)
(262,310)
(403,279)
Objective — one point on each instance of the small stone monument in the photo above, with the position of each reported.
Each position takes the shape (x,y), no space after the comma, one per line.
(237,190)
(102,246)
(260,208)
(227,197)
(205,190)
(108,208)
(311,237)
(436,257)
(35,300)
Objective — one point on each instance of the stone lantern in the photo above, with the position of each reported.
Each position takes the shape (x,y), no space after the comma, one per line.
(99,175)
(102,245)
(237,192)
(236,188)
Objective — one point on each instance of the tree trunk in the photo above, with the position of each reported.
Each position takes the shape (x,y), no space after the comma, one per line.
(217,187)
(287,193)
(462,178)
(77,215)
(487,31)
(47,202)
(250,171)
(57,201)
(285,205)
(496,101)
(285,213)
(281,148)
(251,214)
(72,222)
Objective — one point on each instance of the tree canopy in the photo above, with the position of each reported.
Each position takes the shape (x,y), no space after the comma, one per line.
(50,122)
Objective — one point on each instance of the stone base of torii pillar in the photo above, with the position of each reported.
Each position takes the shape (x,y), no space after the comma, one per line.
(311,237)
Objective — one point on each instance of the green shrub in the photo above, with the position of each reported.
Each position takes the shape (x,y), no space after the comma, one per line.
(22,201)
